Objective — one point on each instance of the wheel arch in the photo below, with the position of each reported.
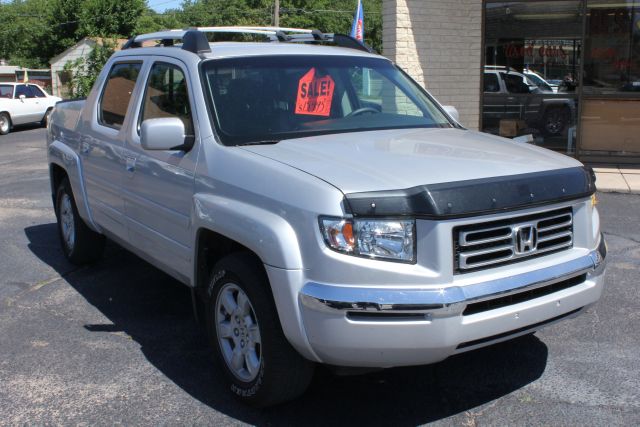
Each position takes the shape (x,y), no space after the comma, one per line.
(64,161)
(211,247)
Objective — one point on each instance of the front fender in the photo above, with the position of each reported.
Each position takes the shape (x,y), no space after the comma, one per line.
(269,235)
(62,155)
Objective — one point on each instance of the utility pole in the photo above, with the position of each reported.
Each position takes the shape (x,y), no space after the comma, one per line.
(276,13)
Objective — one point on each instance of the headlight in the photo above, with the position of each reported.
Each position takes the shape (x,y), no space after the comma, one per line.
(389,239)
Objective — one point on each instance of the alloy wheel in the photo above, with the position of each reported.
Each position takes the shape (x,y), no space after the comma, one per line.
(4,124)
(67,221)
(238,332)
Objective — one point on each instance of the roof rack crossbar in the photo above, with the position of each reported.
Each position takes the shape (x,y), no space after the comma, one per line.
(199,44)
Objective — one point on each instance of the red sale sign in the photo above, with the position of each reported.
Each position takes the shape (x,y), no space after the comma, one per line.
(315,94)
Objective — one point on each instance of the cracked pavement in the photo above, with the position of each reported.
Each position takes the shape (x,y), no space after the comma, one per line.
(115,343)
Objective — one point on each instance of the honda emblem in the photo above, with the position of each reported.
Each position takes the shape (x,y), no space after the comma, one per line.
(526,239)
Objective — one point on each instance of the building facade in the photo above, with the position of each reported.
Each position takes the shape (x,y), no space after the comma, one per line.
(565,72)
(61,77)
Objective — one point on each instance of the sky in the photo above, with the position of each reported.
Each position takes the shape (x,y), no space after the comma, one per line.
(162,5)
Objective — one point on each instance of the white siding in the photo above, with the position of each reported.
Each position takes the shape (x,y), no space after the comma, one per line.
(439,43)
(81,49)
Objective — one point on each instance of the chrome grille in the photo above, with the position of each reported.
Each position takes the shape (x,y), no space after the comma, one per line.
(489,244)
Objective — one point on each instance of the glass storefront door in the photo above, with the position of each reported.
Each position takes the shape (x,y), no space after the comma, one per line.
(532,60)
(610,114)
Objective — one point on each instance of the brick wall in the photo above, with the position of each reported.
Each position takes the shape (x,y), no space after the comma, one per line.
(439,43)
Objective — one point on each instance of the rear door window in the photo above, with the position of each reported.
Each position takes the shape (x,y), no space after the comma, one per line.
(6,91)
(117,94)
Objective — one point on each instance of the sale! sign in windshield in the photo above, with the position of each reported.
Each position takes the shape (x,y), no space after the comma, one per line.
(315,94)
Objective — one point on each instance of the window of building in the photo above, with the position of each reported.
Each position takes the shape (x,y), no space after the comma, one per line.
(117,93)
(534,48)
(612,48)
(166,96)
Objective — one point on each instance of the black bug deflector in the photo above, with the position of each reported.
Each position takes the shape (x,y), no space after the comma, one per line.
(476,196)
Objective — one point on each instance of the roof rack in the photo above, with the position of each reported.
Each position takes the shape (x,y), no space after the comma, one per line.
(195,39)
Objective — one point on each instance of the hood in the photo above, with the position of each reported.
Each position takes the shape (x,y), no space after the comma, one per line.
(398,159)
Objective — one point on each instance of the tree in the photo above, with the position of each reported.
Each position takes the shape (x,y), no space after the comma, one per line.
(110,18)
(85,71)
(333,16)
(151,21)
(23,27)
(325,15)
(63,20)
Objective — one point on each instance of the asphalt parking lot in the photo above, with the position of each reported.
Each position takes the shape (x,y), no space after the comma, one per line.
(116,343)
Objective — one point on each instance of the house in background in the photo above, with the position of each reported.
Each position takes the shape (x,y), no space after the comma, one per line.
(7,72)
(60,77)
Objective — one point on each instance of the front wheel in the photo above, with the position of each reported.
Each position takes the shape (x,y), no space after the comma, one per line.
(5,123)
(80,244)
(244,331)
(45,120)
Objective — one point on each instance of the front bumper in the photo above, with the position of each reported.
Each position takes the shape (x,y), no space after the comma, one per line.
(374,327)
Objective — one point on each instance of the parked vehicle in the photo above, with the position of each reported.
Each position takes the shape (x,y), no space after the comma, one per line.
(321,206)
(22,103)
(540,82)
(509,94)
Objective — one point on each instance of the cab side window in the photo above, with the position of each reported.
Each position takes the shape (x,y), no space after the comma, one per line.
(166,95)
(491,83)
(24,90)
(117,93)
(514,83)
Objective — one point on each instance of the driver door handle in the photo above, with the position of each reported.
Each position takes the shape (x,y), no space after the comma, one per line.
(130,164)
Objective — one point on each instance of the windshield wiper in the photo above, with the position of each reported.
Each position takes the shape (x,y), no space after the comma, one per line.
(261,142)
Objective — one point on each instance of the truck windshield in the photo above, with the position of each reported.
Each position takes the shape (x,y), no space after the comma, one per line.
(265,99)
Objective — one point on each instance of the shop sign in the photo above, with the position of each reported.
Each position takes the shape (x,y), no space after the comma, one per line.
(516,51)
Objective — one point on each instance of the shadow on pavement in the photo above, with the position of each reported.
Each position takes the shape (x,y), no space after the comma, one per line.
(25,127)
(155,311)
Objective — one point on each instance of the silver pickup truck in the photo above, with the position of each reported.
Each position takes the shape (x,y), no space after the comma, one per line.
(322,207)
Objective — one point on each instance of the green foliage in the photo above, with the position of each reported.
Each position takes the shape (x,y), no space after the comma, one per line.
(34,31)
(334,16)
(85,71)
(108,18)
(63,21)
(151,21)
(325,15)
(21,27)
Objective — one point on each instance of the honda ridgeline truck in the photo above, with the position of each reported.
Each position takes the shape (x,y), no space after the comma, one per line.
(322,207)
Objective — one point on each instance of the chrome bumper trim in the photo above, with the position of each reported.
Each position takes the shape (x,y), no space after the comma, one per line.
(446,300)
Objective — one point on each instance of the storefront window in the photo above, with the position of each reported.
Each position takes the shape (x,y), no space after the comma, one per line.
(610,111)
(612,48)
(532,55)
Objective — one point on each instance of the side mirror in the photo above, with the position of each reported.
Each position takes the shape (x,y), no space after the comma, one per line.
(452,112)
(163,134)
(22,97)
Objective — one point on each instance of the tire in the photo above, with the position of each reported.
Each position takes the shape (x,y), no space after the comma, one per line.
(80,244)
(266,370)
(555,121)
(5,123)
(45,119)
